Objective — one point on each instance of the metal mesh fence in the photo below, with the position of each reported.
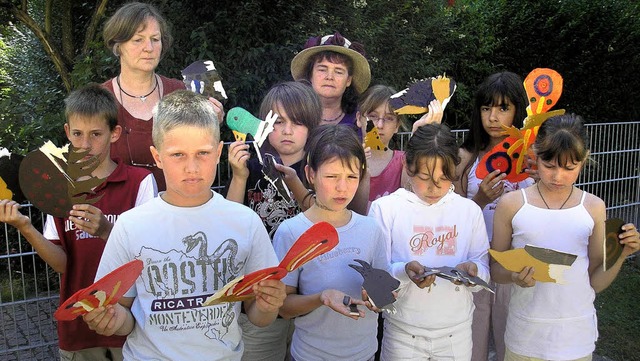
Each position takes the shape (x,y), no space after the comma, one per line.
(29,288)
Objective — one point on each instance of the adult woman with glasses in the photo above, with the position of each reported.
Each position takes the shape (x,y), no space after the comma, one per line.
(139,36)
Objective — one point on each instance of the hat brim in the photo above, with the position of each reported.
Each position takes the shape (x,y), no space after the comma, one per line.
(361,74)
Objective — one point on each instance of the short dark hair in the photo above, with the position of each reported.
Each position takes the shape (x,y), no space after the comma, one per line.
(124,23)
(432,141)
(328,142)
(493,91)
(90,101)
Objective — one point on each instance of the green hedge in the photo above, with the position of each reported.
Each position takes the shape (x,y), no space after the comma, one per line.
(595,46)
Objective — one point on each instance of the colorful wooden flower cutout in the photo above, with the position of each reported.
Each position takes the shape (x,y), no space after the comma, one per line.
(543,87)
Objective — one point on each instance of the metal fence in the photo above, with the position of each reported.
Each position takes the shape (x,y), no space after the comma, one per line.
(29,288)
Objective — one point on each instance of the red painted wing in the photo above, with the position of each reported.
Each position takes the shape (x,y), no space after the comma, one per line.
(105,291)
(241,288)
(317,240)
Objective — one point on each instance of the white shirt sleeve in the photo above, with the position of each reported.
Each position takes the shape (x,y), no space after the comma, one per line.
(147,190)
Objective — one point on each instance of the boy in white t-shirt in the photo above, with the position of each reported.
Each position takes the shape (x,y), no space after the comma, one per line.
(192,242)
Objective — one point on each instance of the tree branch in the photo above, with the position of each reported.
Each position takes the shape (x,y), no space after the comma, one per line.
(93,24)
(56,56)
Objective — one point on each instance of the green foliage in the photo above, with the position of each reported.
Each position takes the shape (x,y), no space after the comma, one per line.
(595,46)
(31,96)
(618,318)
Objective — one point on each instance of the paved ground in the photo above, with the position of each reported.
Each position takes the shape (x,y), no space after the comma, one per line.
(28,333)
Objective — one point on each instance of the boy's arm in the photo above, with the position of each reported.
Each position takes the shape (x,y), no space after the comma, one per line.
(113,319)
(51,253)
(263,310)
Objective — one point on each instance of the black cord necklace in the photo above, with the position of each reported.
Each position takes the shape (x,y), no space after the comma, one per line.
(331,121)
(545,202)
(141,97)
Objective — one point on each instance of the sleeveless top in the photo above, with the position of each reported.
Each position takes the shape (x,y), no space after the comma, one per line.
(473,185)
(554,321)
(133,145)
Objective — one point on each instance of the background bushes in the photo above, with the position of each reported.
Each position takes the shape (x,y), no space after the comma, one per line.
(595,46)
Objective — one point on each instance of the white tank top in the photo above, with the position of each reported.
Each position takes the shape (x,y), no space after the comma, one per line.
(473,185)
(552,321)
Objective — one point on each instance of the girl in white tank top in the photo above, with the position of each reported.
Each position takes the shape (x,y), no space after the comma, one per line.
(554,321)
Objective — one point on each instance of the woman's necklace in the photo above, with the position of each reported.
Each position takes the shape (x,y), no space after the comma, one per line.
(545,202)
(141,97)
(334,119)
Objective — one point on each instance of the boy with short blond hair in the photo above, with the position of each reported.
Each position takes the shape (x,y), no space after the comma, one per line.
(192,242)
(73,245)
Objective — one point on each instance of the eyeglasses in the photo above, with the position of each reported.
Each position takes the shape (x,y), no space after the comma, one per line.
(127,131)
(387,119)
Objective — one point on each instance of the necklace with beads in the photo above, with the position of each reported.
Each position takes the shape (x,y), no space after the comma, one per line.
(142,98)
(334,119)
(545,202)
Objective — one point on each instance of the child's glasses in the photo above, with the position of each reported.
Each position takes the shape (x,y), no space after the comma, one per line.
(387,119)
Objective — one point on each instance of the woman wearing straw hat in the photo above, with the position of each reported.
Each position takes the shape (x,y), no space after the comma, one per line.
(338,71)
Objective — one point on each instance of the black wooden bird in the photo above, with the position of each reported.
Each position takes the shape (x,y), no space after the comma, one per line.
(378,283)
(9,183)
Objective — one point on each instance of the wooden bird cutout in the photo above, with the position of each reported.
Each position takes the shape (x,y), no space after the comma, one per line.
(319,239)
(54,179)
(372,138)
(201,77)
(612,246)
(379,285)
(416,98)
(543,87)
(456,276)
(106,291)
(246,127)
(9,180)
(549,264)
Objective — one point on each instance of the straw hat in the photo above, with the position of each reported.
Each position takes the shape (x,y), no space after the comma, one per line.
(361,73)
